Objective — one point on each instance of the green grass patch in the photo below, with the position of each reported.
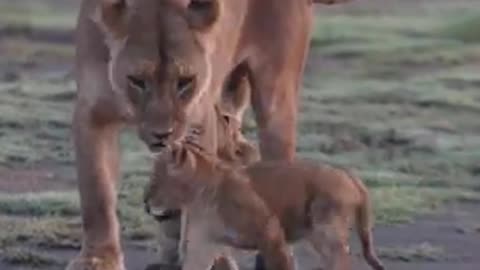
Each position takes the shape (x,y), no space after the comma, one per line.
(24,50)
(463,28)
(401,204)
(29,257)
(40,204)
(39,14)
(48,232)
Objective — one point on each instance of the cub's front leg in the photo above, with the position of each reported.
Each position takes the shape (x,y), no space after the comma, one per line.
(199,251)
(224,262)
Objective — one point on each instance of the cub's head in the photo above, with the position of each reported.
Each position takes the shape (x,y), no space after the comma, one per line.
(159,60)
(177,178)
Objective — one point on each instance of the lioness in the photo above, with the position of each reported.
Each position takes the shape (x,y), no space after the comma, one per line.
(263,206)
(190,47)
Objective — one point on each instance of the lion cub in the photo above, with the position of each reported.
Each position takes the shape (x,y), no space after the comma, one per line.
(263,206)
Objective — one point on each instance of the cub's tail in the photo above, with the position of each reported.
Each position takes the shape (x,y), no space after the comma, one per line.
(364,226)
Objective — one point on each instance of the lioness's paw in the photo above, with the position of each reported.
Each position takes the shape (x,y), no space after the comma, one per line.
(95,263)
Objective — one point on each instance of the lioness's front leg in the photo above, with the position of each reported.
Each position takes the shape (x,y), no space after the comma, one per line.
(276,78)
(96,125)
(275,107)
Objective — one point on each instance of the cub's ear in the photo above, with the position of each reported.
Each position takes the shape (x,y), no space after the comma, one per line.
(201,14)
(112,17)
(236,93)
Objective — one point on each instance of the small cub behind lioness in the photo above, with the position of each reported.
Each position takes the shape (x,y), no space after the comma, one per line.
(263,206)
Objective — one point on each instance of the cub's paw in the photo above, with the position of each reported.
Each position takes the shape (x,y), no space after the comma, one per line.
(224,263)
(95,263)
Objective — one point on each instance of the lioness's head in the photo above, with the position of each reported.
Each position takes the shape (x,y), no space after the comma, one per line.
(159,58)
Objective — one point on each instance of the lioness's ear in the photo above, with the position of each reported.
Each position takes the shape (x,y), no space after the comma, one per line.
(201,14)
(113,16)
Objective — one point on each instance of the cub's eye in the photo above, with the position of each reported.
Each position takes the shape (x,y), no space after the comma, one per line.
(136,82)
(185,84)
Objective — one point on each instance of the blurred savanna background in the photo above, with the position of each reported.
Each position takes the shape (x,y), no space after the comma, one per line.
(392,89)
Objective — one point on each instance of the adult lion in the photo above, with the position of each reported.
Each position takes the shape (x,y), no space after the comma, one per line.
(191,45)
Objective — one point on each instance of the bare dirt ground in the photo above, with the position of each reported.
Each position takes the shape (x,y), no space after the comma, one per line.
(392,89)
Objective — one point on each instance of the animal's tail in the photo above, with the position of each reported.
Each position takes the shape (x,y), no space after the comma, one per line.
(364,226)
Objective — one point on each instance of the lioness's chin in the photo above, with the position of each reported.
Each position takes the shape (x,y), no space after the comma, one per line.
(158,151)
(162,214)
(159,148)
(166,146)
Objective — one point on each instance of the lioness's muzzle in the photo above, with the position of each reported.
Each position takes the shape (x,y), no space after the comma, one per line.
(162,214)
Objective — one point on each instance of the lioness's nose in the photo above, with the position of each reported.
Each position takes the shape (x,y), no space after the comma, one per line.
(161,135)
(158,139)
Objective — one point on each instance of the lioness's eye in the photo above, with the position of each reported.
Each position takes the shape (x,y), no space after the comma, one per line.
(136,82)
(226,118)
(185,84)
